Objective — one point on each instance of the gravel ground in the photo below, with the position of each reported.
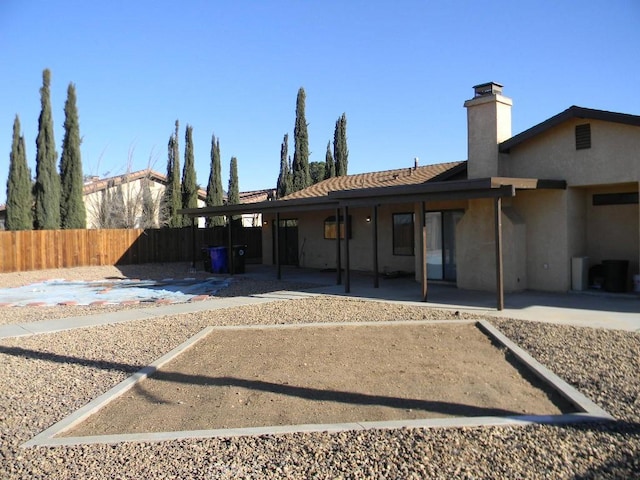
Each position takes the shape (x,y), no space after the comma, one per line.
(46,377)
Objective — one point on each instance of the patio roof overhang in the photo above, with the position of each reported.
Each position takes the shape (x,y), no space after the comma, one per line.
(490,187)
(495,188)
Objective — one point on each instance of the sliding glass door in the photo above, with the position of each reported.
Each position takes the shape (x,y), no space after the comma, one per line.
(441,244)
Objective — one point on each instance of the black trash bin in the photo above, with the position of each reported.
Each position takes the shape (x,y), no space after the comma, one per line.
(615,275)
(239,255)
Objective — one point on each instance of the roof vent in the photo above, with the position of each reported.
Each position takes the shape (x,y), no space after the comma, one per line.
(484,89)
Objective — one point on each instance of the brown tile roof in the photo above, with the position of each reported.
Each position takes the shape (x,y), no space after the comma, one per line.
(254,196)
(386,178)
(104,183)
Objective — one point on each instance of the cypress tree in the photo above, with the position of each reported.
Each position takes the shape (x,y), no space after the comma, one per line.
(341,153)
(316,170)
(189,183)
(148,205)
(47,186)
(72,209)
(300,167)
(283,187)
(172,201)
(233,195)
(19,199)
(215,194)
(329,164)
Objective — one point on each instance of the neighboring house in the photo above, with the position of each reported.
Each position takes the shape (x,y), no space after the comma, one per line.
(100,205)
(553,208)
(98,199)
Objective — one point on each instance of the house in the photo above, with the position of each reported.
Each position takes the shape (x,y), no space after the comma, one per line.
(98,199)
(552,208)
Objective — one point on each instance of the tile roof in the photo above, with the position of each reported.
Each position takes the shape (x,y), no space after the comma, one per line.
(386,178)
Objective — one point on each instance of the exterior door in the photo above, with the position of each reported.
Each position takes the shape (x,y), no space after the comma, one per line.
(441,244)
(288,242)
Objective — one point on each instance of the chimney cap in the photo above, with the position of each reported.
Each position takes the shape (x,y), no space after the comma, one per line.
(490,88)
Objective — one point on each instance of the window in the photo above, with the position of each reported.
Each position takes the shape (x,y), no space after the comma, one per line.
(330,227)
(600,199)
(403,234)
(583,136)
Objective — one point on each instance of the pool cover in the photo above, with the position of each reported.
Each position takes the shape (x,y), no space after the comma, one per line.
(57,291)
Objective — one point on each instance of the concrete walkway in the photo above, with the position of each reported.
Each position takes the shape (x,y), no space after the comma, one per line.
(588,309)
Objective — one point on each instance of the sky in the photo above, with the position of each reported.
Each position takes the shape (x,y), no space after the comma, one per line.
(399,70)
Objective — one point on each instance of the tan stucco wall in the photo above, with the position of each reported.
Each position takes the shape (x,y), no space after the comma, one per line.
(614,156)
(317,252)
(612,231)
(488,123)
(475,242)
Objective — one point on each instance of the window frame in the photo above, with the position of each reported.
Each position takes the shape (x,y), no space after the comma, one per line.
(397,250)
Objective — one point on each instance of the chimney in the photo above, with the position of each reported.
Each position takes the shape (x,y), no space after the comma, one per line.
(488,124)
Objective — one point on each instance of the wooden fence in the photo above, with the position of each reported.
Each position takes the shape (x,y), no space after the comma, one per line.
(43,249)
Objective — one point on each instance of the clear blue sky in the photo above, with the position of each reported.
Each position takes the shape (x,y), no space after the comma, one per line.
(399,70)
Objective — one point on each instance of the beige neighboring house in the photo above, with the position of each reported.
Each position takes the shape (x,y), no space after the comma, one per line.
(553,208)
(132,184)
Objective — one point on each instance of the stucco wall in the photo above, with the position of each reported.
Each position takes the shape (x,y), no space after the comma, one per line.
(614,156)
(317,252)
(548,258)
(475,242)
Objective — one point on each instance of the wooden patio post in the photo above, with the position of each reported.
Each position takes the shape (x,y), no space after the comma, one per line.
(230,249)
(193,243)
(423,254)
(338,259)
(374,227)
(347,267)
(276,227)
(499,265)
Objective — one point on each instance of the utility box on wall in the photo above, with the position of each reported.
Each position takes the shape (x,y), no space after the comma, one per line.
(579,273)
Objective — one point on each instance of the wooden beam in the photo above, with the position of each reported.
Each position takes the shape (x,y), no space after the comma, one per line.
(499,265)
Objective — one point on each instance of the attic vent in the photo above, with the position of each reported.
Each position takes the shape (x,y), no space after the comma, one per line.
(583,136)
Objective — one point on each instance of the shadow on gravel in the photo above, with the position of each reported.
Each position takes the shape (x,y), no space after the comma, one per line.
(449,408)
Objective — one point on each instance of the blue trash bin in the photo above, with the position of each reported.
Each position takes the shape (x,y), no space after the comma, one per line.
(219,259)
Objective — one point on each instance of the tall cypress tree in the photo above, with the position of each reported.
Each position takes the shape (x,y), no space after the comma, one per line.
(300,167)
(172,200)
(215,195)
(47,186)
(233,195)
(72,209)
(283,187)
(341,152)
(329,164)
(149,209)
(19,199)
(189,183)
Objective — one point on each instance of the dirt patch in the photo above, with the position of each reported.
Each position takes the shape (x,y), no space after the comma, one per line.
(253,377)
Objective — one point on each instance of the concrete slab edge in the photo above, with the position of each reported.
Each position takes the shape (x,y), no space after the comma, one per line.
(589,411)
(474,422)
(101,401)
(579,400)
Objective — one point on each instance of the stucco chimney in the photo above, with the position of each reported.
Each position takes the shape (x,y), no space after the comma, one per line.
(488,124)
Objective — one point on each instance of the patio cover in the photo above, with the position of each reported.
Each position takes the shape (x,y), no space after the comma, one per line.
(490,187)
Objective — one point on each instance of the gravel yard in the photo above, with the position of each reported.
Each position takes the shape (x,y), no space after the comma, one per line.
(46,377)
